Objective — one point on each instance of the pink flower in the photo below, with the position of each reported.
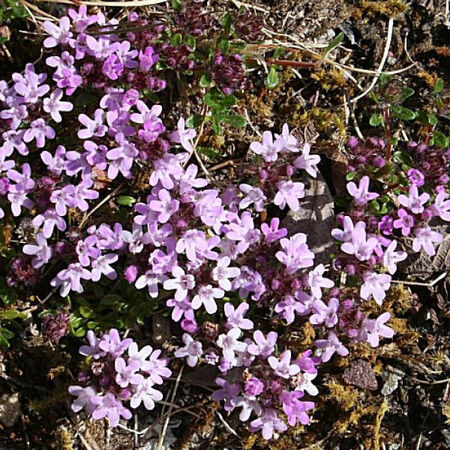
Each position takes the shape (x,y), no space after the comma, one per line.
(268,422)
(222,273)
(375,285)
(283,367)
(373,329)
(267,149)
(192,349)
(58,34)
(296,254)
(289,193)
(316,281)
(325,313)
(414,202)
(330,346)
(230,344)
(53,105)
(307,162)
(182,283)
(361,194)
(41,252)
(405,222)
(263,346)
(391,257)
(206,296)
(358,244)
(183,136)
(425,238)
(235,317)
(441,206)
(253,196)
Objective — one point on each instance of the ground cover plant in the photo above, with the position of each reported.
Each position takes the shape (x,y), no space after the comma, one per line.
(157,168)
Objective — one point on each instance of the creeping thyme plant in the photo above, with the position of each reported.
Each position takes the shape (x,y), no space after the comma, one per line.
(113,215)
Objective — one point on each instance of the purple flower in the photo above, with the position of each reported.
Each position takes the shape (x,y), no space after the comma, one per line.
(49,219)
(307,162)
(112,344)
(147,59)
(289,307)
(92,349)
(316,281)
(416,177)
(230,344)
(122,158)
(361,194)
(145,393)
(391,257)
(39,131)
(414,202)
(136,239)
(85,397)
(55,164)
(263,346)
(126,373)
(296,254)
(182,283)
(151,280)
(359,245)
(289,193)
(111,407)
(253,196)
(183,136)
(62,198)
(288,141)
(13,140)
(235,317)
(102,266)
(192,349)
(28,84)
(157,368)
(70,279)
(405,222)
(441,206)
(283,367)
(165,206)
(58,34)
(94,127)
(330,346)
(41,252)
(243,231)
(228,392)
(323,313)
(272,233)
(294,409)
(222,273)
(268,422)
(425,238)
(206,296)
(53,105)
(254,387)
(267,149)
(373,329)
(386,225)
(375,285)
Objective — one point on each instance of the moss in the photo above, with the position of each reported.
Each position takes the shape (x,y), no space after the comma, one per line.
(345,396)
(322,118)
(329,79)
(388,8)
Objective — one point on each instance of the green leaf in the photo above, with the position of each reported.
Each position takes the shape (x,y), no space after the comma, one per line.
(402,113)
(440,139)
(205,81)
(190,41)
(235,120)
(432,120)
(422,117)
(12,314)
(79,333)
(384,79)
(226,23)
(176,5)
(125,200)
(439,102)
(278,52)
(219,101)
(406,93)
(194,121)
(87,312)
(5,335)
(272,79)
(216,125)
(376,119)
(334,43)
(223,44)
(176,39)
(3,39)
(350,176)
(438,86)
(209,151)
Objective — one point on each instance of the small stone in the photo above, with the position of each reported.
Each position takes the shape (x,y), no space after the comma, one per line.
(9,409)
(361,374)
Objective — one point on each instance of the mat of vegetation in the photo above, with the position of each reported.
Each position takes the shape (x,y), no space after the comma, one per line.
(224,224)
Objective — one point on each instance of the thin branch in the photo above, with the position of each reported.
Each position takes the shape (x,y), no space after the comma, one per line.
(118,4)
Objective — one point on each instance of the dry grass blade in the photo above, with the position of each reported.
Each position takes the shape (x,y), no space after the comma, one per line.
(119,4)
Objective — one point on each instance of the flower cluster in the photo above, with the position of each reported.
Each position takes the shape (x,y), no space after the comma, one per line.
(118,372)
